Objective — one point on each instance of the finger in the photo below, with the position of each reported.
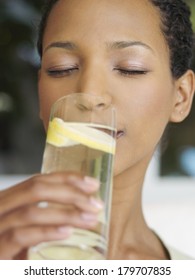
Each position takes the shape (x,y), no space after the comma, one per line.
(21,255)
(15,241)
(34,216)
(85,183)
(40,189)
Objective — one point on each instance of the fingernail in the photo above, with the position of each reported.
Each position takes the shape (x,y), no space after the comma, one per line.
(98,204)
(76,181)
(88,217)
(73,179)
(91,181)
(65,230)
(86,183)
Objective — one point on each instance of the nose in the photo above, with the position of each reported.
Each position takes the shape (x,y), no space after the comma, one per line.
(90,101)
(94,86)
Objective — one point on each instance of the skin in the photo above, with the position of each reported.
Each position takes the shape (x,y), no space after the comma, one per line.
(120,54)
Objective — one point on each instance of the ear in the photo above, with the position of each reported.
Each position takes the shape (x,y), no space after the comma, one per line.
(185,87)
(39,77)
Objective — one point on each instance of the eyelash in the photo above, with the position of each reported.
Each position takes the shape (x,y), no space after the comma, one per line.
(130,72)
(61,72)
(57,73)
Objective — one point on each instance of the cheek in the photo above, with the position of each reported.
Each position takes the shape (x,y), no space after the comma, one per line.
(49,93)
(45,104)
(149,114)
(145,114)
(150,102)
(50,90)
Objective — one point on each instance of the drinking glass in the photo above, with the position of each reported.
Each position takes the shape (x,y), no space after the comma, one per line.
(81,138)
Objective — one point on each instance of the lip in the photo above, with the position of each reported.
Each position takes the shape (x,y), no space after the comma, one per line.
(120,133)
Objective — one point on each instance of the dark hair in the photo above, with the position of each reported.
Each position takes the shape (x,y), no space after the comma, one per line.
(47,7)
(176,27)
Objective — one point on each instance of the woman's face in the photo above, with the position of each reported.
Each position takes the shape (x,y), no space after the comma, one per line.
(114,49)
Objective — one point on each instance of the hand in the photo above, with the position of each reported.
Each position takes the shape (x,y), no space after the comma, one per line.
(24,224)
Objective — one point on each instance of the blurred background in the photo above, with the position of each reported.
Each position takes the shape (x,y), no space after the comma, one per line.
(169,194)
(21,133)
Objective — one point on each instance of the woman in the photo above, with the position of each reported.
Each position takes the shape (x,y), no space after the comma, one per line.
(137,56)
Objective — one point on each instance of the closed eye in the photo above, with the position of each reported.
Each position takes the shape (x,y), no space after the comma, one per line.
(131,72)
(64,72)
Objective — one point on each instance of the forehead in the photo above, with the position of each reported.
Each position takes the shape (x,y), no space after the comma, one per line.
(103,20)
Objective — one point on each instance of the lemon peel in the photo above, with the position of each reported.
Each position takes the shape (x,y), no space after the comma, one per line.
(63,134)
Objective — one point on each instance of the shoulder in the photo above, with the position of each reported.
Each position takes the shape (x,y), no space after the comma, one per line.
(177,255)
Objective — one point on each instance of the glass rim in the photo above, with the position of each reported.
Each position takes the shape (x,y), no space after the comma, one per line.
(111,106)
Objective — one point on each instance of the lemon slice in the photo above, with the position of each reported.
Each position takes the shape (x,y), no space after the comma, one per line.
(63,134)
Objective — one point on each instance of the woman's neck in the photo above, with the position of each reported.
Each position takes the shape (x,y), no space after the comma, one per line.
(130,237)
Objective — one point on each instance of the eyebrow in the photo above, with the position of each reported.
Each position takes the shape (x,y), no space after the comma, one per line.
(112,45)
(63,45)
(126,44)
